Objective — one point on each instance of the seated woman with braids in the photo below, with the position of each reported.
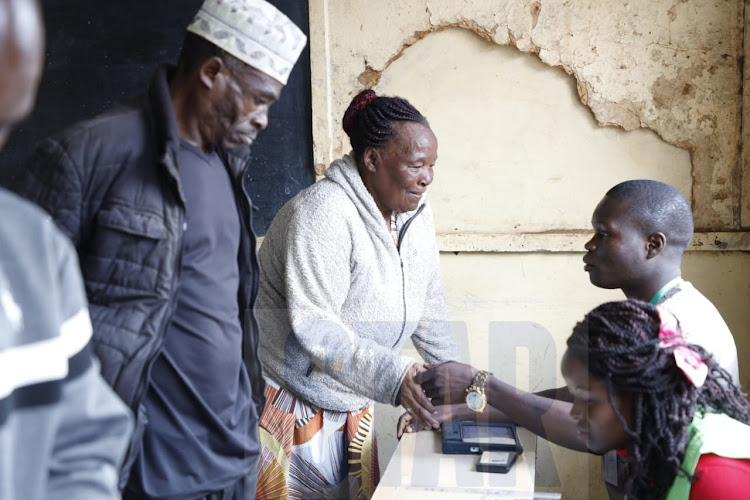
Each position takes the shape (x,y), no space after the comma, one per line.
(664,404)
(350,271)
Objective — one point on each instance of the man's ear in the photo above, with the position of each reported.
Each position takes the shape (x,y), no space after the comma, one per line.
(371,157)
(209,70)
(657,242)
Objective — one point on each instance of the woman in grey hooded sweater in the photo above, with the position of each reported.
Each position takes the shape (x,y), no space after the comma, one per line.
(350,271)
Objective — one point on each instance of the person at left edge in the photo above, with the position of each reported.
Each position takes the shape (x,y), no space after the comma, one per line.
(153,196)
(63,431)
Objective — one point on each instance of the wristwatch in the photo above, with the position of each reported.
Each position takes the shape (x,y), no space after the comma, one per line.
(475,398)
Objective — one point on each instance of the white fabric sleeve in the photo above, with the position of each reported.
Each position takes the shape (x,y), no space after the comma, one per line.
(92,437)
(94,426)
(318,277)
(433,337)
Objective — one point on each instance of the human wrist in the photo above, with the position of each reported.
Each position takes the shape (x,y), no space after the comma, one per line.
(475,397)
(463,375)
(405,367)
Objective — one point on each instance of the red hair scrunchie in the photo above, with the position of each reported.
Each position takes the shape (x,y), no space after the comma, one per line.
(360,102)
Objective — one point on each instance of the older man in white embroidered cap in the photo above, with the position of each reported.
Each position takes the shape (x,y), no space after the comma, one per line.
(152,195)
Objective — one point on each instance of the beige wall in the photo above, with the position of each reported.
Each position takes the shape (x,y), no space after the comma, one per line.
(515,140)
(517,93)
(671,66)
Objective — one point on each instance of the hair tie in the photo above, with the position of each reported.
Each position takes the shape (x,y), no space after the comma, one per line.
(363,99)
(688,360)
(360,102)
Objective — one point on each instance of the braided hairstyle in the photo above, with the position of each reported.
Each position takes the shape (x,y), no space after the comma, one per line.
(369,120)
(618,343)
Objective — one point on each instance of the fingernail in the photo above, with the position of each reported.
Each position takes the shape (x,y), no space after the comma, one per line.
(409,429)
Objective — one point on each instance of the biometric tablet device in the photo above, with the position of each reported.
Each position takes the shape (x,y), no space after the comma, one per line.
(474,438)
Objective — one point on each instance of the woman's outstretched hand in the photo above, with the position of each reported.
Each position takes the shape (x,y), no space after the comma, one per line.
(442,413)
(415,401)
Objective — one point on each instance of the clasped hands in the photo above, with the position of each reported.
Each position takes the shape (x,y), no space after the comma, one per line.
(432,394)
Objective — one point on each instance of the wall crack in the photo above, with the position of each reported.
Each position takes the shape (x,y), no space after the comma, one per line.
(674,68)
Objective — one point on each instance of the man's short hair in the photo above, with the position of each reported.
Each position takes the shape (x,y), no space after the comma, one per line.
(196,50)
(658,207)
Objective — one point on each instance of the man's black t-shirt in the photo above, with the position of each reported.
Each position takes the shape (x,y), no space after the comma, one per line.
(198,405)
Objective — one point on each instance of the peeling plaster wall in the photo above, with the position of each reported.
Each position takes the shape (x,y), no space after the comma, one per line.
(522,96)
(671,66)
(515,141)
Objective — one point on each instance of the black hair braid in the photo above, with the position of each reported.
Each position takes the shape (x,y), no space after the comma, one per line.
(369,120)
(618,343)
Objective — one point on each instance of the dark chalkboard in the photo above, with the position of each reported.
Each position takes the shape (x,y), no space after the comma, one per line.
(102,52)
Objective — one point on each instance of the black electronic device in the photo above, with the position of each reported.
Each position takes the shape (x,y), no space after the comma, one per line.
(473,438)
(496,461)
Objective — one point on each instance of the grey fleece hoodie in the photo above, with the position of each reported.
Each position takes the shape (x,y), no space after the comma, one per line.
(338,299)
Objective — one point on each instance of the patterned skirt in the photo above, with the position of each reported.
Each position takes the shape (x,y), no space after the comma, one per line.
(308,452)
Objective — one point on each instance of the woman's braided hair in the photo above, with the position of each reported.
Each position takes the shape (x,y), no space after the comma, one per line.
(369,119)
(619,344)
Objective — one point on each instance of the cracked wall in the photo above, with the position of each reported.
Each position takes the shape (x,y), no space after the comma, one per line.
(515,141)
(671,66)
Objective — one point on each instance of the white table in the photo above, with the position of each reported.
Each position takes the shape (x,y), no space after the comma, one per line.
(419,470)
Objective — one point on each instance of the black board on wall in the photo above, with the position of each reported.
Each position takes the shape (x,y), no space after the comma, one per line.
(103,52)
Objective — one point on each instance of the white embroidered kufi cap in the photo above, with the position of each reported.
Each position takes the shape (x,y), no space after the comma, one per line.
(253,31)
